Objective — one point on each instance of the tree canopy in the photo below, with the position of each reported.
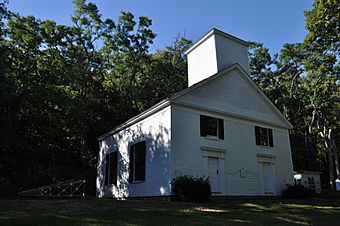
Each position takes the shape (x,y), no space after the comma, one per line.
(63,86)
(303,81)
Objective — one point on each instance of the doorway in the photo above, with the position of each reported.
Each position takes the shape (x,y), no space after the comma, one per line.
(214,174)
(268,178)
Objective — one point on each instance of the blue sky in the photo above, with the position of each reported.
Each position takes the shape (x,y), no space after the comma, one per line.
(270,22)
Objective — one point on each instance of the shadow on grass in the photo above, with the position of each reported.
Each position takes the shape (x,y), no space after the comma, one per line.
(147,212)
(296,208)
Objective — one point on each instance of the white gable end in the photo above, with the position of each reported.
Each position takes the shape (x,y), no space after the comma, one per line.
(232,93)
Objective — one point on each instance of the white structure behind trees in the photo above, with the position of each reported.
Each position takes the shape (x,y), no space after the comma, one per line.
(309,179)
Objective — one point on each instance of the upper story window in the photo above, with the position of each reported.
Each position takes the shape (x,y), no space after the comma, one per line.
(264,136)
(213,127)
(137,162)
(111,165)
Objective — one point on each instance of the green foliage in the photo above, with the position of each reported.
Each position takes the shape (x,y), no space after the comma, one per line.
(303,81)
(323,24)
(191,189)
(166,74)
(63,86)
(260,61)
(322,83)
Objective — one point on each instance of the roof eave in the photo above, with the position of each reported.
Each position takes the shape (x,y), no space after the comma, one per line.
(218,32)
(157,107)
(218,74)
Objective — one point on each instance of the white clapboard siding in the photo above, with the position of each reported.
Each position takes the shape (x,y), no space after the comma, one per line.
(234,94)
(230,52)
(241,151)
(156,131)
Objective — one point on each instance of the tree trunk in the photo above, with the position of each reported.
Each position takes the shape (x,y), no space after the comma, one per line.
(330,165)
(82,114)
(336,158)
(310,147)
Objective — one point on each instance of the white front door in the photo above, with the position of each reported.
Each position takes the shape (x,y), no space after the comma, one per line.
(214,175)
(268,178)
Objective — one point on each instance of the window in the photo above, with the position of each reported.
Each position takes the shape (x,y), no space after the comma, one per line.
(264,136)
(311,183)
(137,162)
(111,168)
(211,126)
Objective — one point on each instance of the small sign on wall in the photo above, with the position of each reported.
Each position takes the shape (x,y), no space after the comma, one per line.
(243,173)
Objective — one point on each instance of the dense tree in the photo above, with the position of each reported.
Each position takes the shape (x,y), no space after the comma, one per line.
(129,59)
(289,99)
(167,73)
(322,66)
(303,81)
(62,86)
(260,67)
(3,47)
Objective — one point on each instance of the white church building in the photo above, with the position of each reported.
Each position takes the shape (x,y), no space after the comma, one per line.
(222,127)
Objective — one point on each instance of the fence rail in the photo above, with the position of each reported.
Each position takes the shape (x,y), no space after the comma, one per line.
(68,188)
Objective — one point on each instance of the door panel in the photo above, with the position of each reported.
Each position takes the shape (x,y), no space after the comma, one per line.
(268,178)
(214,174)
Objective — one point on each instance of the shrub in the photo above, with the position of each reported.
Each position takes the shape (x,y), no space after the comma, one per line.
(296,191)
(191,189)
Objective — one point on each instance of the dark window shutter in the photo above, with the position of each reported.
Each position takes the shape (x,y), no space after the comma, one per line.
(106,178)
(143,150)
(257,135)
(113,168)
(140,153)
(203,125)
(221,129)
(131,163)
(270,133)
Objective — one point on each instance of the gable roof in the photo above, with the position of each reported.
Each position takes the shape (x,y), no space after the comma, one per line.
(150,111)
(218,32)
(164,103)
(246,76)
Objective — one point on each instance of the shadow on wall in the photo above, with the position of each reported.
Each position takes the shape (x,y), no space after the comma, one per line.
(158,174)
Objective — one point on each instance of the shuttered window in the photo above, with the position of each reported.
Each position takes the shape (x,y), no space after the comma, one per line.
(137,162)
(264,136)
(111,165)
(211,126)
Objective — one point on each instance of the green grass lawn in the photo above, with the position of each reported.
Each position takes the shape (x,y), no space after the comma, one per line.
(149,212)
